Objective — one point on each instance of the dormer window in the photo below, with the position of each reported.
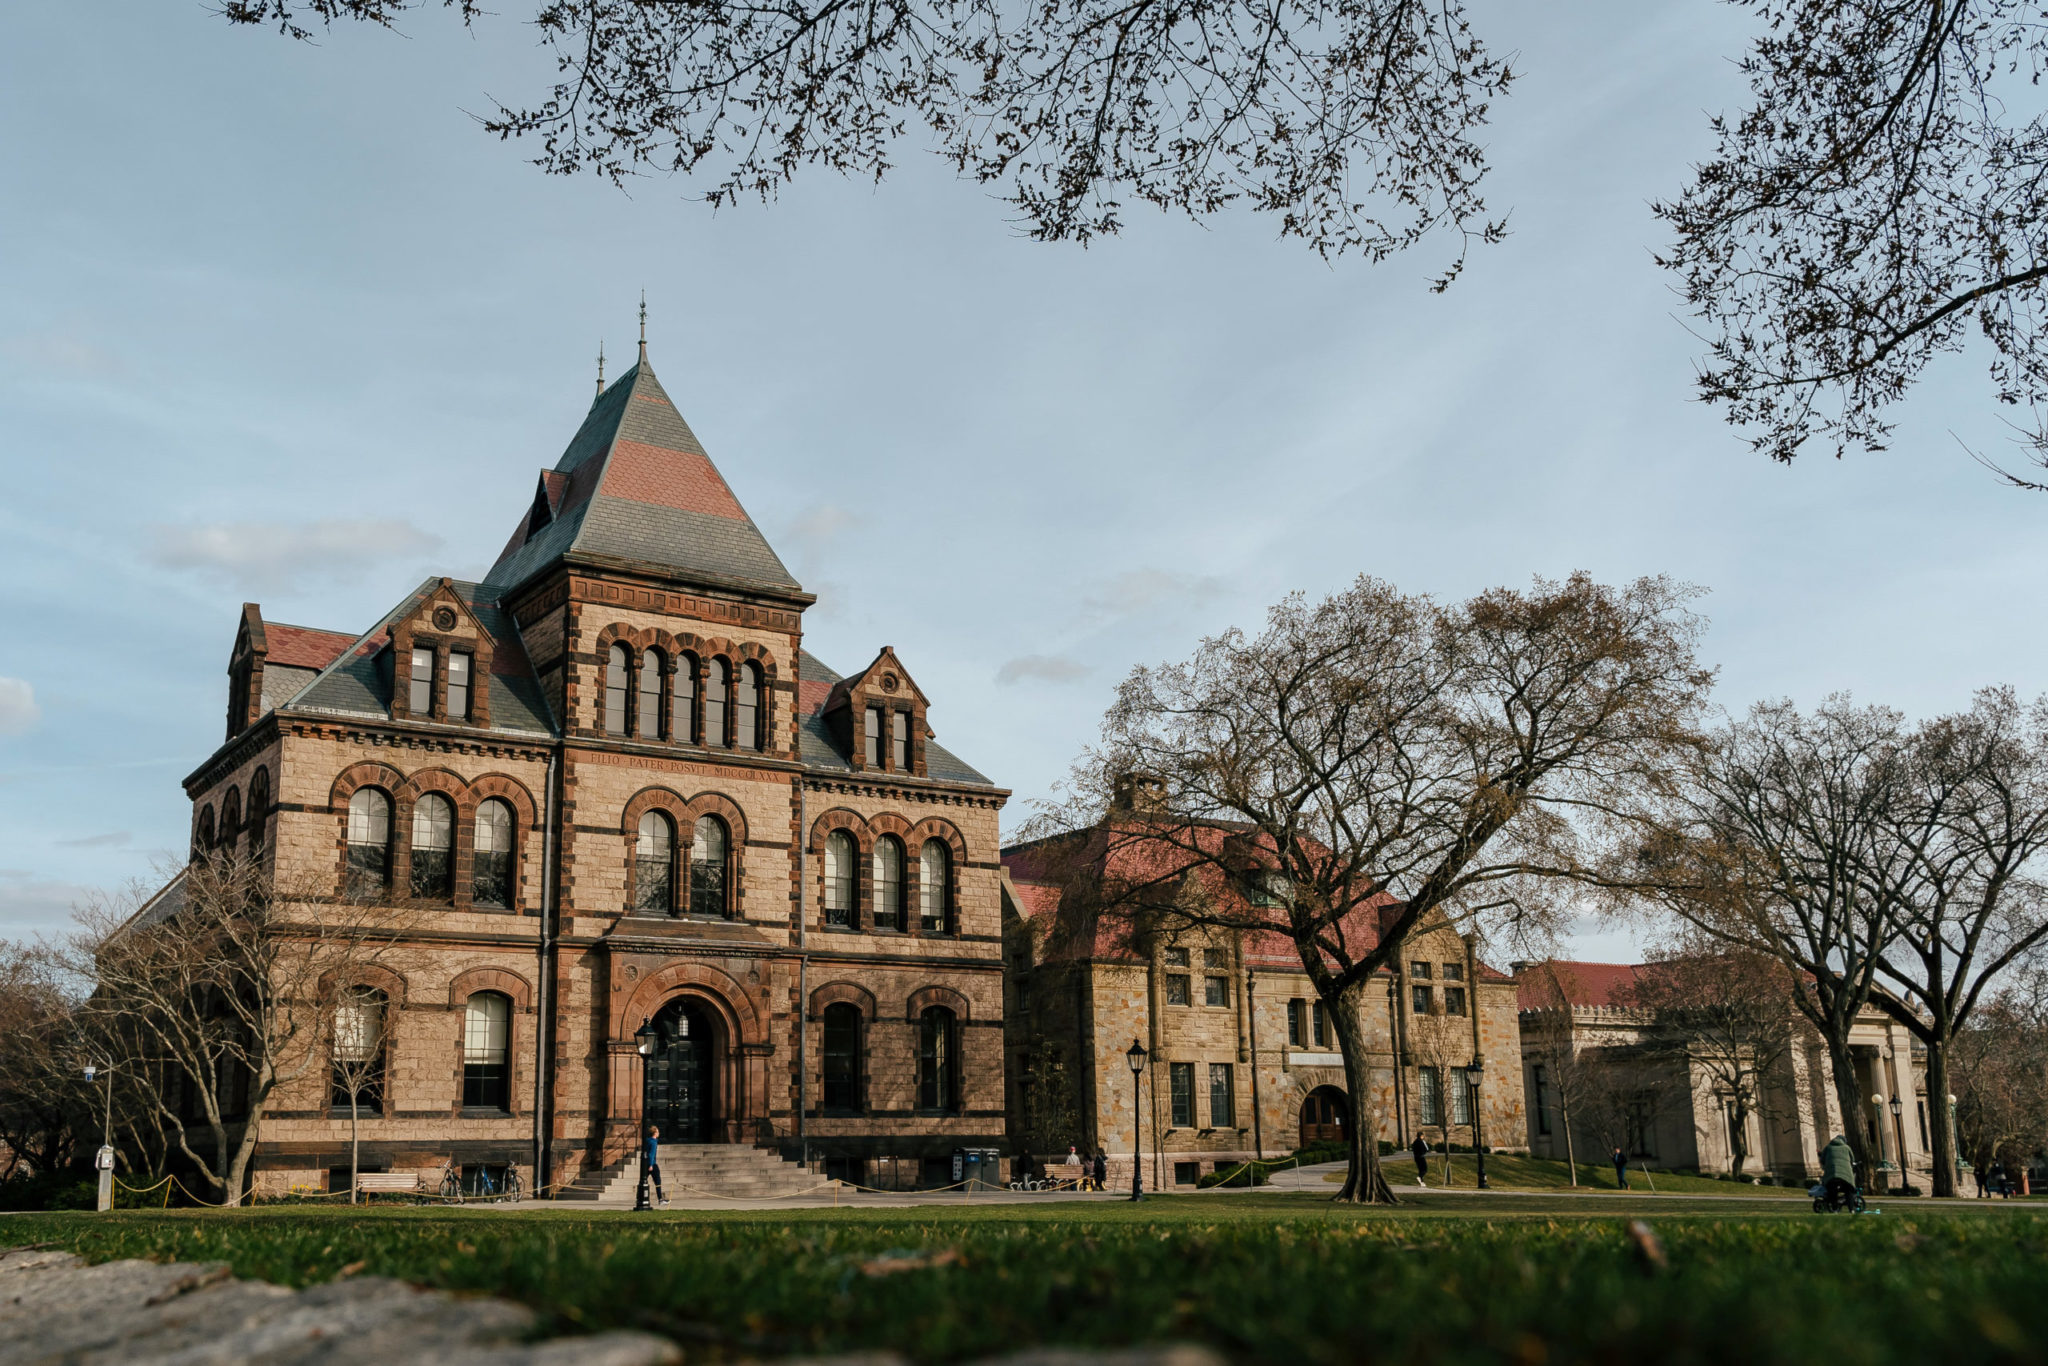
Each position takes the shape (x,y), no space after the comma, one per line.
(460,667)
(421,698)
(873,751)
(899,741)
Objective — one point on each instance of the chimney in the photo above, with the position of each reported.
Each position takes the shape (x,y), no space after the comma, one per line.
(1139,793)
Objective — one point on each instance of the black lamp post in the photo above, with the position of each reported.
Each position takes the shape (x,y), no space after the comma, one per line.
(1473,1072)
(1899,1133)
(1135,1056)
(644,1038)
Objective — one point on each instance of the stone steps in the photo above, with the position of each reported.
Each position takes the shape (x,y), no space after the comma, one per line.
(718,1169)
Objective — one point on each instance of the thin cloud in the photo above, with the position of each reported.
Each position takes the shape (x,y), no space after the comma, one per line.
(274,556)
(1143,590)
(113,839)
(33,906)
(18,709)
(814,532)
(60,352)
(1041,669)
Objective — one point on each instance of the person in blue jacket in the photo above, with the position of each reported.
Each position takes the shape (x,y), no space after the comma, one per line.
(654,1163)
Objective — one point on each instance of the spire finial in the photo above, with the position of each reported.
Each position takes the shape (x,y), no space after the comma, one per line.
(600,366)
(643,327)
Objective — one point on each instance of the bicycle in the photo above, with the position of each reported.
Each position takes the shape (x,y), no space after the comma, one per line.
(512,1189)
(451,1181)
(483,1188)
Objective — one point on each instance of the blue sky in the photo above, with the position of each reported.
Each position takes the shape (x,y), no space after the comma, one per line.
(278,322)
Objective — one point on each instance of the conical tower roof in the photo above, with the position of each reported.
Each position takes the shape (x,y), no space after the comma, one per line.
(636,490)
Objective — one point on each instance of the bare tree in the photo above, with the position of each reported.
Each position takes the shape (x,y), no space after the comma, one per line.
(1879,203)
(217,992)
(1970,902)
(1373,760)
(1356,124)
(1776,841)
(43,1098)
(1999,1068)
(355,1045)
(1725,1014)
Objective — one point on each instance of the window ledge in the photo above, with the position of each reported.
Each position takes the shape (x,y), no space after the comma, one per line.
(485,1112)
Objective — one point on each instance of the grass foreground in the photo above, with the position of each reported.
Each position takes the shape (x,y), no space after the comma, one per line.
(1264,1277)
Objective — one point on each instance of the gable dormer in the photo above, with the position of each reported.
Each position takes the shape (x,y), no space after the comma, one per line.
(245,671)
(878,718)
(441,661)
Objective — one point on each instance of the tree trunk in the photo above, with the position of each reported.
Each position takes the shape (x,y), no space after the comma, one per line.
(355,1147)
(1738,1137)
(1571,1152)
(1365,1183)
(1849,1097)
(1940,1121)
(245,1151)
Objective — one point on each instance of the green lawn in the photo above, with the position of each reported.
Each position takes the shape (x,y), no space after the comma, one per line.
(1506,1171)
(1266,1277)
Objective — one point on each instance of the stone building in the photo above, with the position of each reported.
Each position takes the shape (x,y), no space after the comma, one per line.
(1671,1109)
(1241,1060)
(612,789)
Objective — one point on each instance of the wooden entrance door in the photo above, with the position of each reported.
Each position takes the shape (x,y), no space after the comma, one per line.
(1325,1117)
(679,1076)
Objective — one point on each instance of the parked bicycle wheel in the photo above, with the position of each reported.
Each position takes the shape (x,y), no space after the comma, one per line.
(512,1187)
(451,1185)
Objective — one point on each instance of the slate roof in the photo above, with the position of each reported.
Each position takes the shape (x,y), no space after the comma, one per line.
(818,750)
(302,647)
(635,484)
(1541,985)
(355,685)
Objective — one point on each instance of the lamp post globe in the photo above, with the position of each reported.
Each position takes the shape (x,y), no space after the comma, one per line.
(1135,1055)
(645,1039)
(1475,1072)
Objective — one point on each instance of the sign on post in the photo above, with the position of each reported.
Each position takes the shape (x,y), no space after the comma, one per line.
(104,1160)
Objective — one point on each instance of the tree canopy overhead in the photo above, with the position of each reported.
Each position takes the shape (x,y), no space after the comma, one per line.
(1352,121)
(1879,203)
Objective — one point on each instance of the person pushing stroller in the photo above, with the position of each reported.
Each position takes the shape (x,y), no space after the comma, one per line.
(1836,1190)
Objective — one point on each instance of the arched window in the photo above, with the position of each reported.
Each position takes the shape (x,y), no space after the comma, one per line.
(615,675)
(491,858)
(842,1058)
(487,1052)
(357,1054)
(369,843)
(888,883)
(650,695)
(716,680)
(746,709)
(433,847)
(683,728)
(259,809)
(707,869)
(654,861)
(841,858)
(202,839)
(934,886)
(231,820)
(938,1060)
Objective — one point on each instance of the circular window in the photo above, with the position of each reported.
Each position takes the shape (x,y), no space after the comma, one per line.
(888,682)
(444,618)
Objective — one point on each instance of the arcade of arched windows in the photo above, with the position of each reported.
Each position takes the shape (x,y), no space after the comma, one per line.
(683,858)
(661,687)
(882,874)
(238,831)
(431,838)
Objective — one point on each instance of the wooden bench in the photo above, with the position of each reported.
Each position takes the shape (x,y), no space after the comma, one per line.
(388,1183)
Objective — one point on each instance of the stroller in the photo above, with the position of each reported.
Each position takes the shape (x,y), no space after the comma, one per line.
(1837,1191)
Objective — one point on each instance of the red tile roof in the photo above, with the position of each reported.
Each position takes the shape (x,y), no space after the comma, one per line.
(1543,986)
(303,647)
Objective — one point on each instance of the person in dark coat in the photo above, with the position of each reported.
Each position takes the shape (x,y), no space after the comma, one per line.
(1101,1170)
(1420,1149)
(1620,1169)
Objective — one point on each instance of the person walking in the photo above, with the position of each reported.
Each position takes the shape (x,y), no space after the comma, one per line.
(1420,1149)
(654,1163)
(1101,1170)
(1620,1169)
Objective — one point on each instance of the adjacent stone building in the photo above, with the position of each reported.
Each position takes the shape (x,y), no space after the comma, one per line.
(613,789)
(1241,1060)
(1668,1108)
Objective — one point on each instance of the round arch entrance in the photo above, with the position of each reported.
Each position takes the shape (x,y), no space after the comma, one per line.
(1325,1117)
(682,1076)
